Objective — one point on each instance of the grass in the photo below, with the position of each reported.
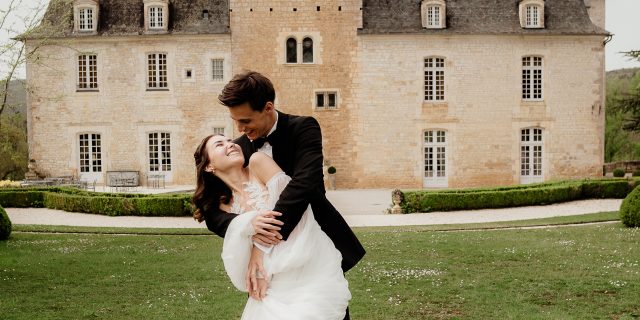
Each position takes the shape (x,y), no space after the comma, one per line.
(578,272)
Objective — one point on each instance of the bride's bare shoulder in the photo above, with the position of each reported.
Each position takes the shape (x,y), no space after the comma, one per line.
(263,167)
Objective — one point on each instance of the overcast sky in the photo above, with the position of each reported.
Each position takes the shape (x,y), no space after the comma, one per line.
(622,19)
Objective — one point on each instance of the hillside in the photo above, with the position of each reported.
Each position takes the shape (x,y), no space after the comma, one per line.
(17,97)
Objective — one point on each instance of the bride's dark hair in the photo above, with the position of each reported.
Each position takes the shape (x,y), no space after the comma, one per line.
(211,191)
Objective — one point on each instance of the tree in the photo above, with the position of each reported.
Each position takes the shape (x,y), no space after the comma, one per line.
(629,102)
(17,18)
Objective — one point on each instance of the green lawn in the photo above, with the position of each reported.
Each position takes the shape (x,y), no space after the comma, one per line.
(577,272)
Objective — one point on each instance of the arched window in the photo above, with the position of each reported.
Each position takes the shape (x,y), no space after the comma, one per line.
(433,14)
(532,13)
(292,50)
(307,50)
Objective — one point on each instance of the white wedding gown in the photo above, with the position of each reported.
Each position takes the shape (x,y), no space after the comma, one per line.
(307,281)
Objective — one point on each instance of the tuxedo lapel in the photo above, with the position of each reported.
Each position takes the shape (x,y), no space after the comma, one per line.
(279,142)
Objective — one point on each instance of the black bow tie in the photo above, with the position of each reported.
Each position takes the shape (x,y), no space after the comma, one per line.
(258,143)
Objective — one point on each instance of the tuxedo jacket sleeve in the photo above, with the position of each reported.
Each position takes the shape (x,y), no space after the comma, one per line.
(218,221)
(305,146)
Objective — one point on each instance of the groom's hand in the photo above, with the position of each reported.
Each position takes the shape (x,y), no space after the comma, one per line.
(266,227)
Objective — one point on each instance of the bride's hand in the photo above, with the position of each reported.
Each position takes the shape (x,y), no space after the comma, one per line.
(266,227)
(256,275)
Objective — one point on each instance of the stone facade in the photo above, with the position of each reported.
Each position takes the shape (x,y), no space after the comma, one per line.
(375,136)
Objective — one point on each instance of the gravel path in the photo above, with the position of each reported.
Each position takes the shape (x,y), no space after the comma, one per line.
(366,211)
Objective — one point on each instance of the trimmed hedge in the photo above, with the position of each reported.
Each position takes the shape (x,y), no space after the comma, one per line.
(630,209)
(5,225)
(112,204)
(522,195)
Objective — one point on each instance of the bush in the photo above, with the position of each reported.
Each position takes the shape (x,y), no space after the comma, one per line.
(5,225)
(331,170)
(636,173)
(112,204)
(618,173)
(521,195)
(630,209)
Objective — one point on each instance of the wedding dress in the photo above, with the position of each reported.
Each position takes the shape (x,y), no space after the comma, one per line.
(306,278)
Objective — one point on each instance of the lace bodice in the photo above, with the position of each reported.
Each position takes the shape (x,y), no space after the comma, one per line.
(257,198)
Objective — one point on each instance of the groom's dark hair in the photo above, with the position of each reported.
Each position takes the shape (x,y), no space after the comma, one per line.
(250,87)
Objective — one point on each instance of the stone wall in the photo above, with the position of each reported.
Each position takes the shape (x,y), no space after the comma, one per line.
(123,111)
(483,112)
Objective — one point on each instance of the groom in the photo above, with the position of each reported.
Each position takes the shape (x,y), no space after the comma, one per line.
(295,144)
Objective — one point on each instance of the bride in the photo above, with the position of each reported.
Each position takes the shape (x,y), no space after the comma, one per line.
(301,277)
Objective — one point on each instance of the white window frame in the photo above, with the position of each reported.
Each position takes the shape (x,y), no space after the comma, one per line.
(162,151)
(86,19)
(156,81)
(434,16)
(219,130)
(93,167)
(531,155)
(436,166)
(325,94)
(156,18)
(214,68)
(532,78)
(434,67)
(87,71)
(532,16)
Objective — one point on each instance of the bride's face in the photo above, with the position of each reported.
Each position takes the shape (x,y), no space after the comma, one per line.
(223,154)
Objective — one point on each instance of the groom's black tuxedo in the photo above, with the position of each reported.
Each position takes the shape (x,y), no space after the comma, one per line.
(297,149)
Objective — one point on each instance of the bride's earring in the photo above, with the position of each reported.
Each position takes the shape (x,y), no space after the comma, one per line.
(211,169)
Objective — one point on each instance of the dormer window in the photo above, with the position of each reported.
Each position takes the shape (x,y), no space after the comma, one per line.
(433,14)
(156,20)
(532,14)
(156,16)
(85,16)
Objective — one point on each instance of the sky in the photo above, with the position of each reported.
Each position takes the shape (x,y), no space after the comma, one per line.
(622,20)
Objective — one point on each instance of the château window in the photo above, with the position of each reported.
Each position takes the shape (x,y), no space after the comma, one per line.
(218,131)
(307,50)
(85,16)
(532,14)
(433,14)
(156,18)
(532,78)
(532,19)
(157,71)
(160,151)
(217,69)
(90,152)
(435,158)
(531,155)
(292,50)
(156,15)
(86,19)
(326,100)
(434,79)
(87,72)
(299,50)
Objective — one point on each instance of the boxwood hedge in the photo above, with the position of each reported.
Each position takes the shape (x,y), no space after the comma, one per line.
(521,195)
(113,204)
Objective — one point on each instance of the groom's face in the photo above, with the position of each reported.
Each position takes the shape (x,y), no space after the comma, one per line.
(254,124)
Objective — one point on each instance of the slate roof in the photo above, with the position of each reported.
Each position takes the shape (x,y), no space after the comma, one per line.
(476,17)
(125,17)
